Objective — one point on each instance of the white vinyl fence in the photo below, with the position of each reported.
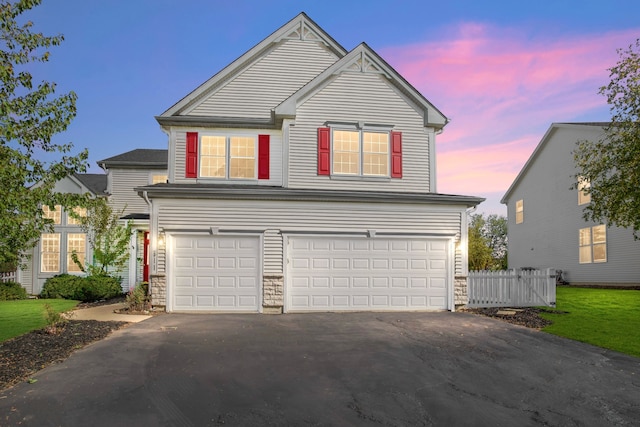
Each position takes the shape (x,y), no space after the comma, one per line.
(512,288)
(10,276)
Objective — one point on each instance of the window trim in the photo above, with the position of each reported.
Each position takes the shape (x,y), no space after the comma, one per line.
(361,129)
(228,137)
(520,211)
(592,244)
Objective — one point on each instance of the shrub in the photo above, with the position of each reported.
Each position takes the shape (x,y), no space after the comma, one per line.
(12,290)
(65,286)
(138,298)
(55,321)
(90,288)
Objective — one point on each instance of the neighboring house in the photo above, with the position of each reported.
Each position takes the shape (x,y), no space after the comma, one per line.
(546,228)
(52,254)
(302,177)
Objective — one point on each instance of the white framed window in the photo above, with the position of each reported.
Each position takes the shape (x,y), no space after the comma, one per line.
(159,178)
(583,196)
(593,244)
(81,212)
(53,214)
(76,242)
(229,157)
(50,253)
(360,152)
(519,211)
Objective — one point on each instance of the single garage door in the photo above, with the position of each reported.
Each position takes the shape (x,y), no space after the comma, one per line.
(215,273)
(347,273)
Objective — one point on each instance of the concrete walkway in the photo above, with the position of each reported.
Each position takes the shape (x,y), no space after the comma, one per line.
(105,313)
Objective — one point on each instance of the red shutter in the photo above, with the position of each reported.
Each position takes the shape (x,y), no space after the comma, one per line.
(191,161)
(324,148)
(263,156)
(396,154)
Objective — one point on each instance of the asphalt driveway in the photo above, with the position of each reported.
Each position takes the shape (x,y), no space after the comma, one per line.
(330,369)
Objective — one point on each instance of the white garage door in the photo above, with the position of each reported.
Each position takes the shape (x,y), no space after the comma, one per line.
(346,273)
(215,273)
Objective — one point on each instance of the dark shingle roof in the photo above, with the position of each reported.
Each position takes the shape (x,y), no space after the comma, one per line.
(145,157)
(95,182)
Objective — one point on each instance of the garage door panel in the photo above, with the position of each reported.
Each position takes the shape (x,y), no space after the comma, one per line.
(215,273)
(375,273)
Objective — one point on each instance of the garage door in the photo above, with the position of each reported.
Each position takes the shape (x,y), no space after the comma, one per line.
(342,274)
(215,273)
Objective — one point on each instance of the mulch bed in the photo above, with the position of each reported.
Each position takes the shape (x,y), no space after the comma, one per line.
(22,356)
(529,317)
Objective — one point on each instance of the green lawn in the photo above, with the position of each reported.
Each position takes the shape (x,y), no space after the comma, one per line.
(608,318)
(22,316)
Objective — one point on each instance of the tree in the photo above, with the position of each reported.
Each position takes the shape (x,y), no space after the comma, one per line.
(611,165)
(488,242)
(107,236)
(29,117)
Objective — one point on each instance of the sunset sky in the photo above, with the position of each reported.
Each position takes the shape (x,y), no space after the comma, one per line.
(502,71)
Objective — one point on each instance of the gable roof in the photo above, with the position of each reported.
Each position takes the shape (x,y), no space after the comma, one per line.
(140,157)
(540,146)
(302,25)
(94,182)
(364,59)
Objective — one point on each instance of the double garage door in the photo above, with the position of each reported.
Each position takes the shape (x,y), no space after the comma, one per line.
(322,273)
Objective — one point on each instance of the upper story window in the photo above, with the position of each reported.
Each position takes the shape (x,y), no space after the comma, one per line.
(519,211)
(53,214)
(80,212)
(159,178)
(584,196)
(359,152)
(227,157)
(593,244)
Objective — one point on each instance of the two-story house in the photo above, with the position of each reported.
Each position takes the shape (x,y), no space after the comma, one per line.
(52,253)
(302,177)
(545,217)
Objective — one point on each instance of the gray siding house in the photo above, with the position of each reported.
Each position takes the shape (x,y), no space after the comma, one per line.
(301,177)
(546,228)
(52,253)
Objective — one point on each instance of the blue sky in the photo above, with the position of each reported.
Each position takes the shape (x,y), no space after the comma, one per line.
(503,71)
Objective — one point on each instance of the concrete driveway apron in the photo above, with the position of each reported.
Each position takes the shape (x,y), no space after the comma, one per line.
(329,369)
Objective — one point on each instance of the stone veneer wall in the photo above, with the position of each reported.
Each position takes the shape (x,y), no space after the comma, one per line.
(460,291)
(272,294)
(158,290)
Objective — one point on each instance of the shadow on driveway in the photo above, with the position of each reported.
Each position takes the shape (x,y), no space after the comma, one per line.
(329,369)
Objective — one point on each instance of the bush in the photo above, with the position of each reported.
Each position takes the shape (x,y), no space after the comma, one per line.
(138,298)
(87,289)
(12,290)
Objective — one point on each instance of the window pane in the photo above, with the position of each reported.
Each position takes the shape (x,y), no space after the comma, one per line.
(53,214)
(583,198)
(600,253)
(75,242)
(599,234)
(50,252)
(346,152)
(585,236)
(585,254)
(82,212)
(375,153)
(213,156)
(243,158)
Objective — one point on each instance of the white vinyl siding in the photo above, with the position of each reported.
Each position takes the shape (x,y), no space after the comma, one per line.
(359,98)
(179,136)
(123,196)
(268,81)
(300,216)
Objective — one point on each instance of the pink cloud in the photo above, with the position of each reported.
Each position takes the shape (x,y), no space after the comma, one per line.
(502,89)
